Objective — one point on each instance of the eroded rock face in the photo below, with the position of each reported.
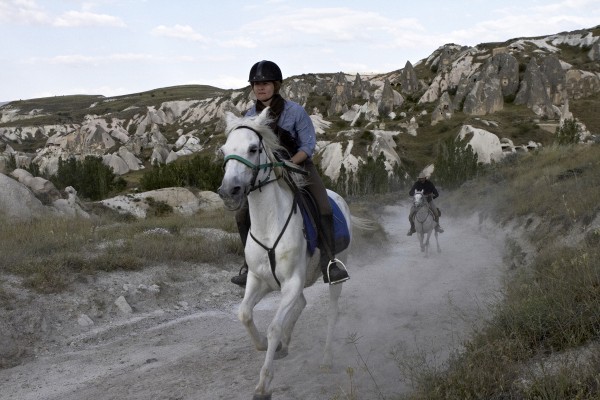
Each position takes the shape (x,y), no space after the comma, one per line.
(581,84)
(486,95)
(594,53)
(409,82)
(443,111)
(533,91)
(507,69)
(556,79)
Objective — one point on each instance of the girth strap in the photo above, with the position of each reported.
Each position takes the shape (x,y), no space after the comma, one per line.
(271,251)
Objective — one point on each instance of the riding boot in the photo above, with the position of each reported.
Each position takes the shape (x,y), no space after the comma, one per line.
(412,224)
(242,276)
(332,273)
(242,218)
(438,228)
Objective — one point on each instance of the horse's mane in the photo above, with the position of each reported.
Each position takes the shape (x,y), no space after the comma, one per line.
(261,125)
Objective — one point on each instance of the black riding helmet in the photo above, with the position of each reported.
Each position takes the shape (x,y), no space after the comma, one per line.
(265,71)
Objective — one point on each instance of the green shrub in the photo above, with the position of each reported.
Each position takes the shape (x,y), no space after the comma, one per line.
(91,178)
(199,172)
(455,164)
(567,133)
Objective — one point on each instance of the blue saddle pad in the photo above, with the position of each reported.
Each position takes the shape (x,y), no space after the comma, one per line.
(340,229)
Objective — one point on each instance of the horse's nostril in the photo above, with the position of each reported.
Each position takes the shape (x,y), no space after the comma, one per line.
(225,193)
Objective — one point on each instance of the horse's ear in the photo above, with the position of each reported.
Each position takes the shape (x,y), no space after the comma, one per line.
(263,116)
(230,118)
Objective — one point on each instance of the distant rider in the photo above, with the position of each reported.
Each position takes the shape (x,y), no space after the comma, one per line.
(430,193)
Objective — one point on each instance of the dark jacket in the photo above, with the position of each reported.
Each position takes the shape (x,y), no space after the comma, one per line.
(427,187)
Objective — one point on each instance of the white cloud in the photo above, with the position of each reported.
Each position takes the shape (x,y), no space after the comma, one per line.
(84,18)
(179,32)
(28,12)
(240,42)
(22,12)
(330,25)
(79,59)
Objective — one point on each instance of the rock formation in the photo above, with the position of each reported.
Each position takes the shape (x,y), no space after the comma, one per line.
(533,91)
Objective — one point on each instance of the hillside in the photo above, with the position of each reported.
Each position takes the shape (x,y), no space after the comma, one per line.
(518,91)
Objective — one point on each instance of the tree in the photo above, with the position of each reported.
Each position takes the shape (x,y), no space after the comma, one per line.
(341,184)
(372,176)
(567,133)
(91,178)
(199,172)
(455,163)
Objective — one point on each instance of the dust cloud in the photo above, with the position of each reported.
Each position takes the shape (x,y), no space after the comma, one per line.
(397,301)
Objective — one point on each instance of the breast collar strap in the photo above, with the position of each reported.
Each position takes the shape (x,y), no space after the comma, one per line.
(271,251)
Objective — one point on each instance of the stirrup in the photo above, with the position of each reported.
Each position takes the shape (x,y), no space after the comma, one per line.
(242,276)
(337,261)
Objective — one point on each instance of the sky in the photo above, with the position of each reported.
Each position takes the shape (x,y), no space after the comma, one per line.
(117,47)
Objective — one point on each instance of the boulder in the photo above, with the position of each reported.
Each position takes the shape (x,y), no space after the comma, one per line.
(182,200)
(485,144)
(69,207)
(18,202)
(42,188)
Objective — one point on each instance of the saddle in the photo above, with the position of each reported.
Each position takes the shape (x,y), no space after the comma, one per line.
(310,215)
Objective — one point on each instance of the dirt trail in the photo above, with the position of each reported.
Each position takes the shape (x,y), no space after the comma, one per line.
(395,299)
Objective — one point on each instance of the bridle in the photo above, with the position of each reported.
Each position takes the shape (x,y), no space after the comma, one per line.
(256,168)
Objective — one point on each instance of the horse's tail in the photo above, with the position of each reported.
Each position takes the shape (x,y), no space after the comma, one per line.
(364,224)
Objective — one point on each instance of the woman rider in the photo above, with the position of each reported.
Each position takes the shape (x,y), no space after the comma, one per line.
(296,133)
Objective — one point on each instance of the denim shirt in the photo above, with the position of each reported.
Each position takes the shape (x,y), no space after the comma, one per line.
(296,121)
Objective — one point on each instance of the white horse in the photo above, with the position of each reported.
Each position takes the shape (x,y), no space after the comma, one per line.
(424,222)
(252,172)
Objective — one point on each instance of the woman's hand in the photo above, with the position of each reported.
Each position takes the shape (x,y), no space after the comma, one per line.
(299,157)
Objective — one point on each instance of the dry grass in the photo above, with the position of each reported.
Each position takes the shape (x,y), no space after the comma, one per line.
(548,308)
(50,253)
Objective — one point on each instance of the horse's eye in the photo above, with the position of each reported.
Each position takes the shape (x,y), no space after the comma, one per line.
(253,149)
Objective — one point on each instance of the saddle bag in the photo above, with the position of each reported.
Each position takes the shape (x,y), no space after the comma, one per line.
(341,232)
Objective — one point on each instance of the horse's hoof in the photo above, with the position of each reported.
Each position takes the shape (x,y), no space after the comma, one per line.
(262,397)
